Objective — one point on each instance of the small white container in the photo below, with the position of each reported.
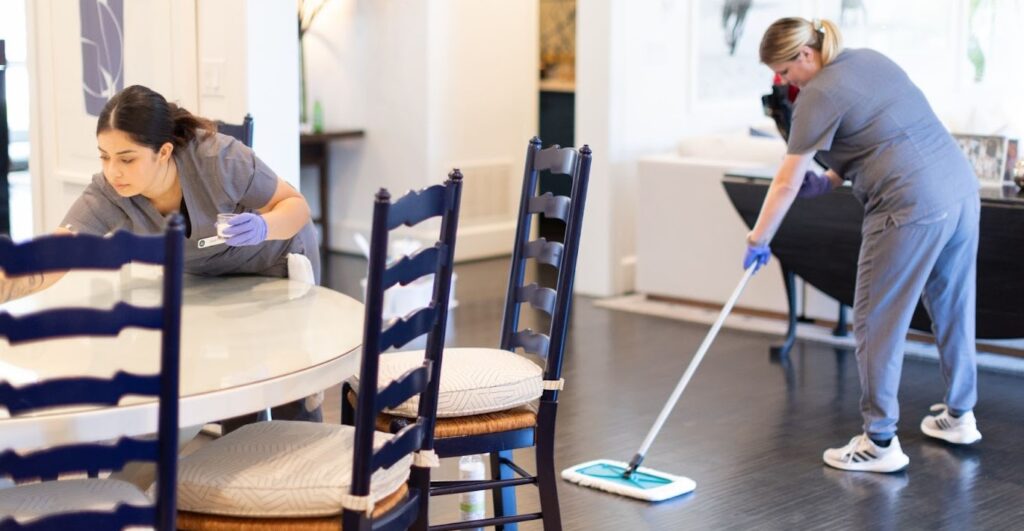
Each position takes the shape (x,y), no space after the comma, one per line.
(223,222)
(472,505)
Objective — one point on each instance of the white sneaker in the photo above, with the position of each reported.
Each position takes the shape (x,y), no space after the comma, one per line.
(863,455)
(962,430)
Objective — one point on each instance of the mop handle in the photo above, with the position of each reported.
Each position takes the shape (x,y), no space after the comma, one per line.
(692,368)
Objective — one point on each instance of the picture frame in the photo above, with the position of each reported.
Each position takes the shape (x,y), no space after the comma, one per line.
(1011,159)
(987,155)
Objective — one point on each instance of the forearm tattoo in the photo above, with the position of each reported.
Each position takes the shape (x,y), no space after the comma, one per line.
(13,288)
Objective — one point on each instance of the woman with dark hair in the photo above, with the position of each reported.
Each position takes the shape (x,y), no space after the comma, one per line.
(872,126)
(159,158)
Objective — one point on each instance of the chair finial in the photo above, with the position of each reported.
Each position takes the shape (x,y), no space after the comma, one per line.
(585,150)
(175,221)
(383,196)
(455,175)
(536,140)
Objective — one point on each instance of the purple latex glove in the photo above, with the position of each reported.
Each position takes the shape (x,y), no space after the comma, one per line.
(756,254)
(246,229)
(814,184)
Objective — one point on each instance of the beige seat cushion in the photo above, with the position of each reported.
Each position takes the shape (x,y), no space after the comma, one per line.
(30,501)
(473,381)
(279,469)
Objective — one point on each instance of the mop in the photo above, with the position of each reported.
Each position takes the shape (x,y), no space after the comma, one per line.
(632,479)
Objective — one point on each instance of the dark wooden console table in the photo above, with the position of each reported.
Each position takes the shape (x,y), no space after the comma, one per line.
(314,150)
(820,241)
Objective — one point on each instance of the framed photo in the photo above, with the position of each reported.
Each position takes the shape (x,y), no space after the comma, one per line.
(1011,159)
(987,154)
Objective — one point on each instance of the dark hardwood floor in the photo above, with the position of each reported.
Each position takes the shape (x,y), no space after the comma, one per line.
(748,430)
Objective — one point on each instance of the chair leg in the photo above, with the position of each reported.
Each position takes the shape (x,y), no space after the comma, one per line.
(420,479)
(348,413)
(547,480)
(504,499)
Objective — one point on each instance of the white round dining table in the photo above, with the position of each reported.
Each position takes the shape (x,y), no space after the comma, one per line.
(247,343)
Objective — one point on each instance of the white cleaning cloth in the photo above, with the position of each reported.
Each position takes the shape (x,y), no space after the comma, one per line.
(301,271)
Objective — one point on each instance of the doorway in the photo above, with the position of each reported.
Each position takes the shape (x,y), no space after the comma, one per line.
(15,182)
(557,109)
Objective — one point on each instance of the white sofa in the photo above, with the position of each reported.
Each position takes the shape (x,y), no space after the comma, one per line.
(690,239)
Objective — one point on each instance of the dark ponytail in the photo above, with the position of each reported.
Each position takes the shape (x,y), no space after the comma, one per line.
(150,120)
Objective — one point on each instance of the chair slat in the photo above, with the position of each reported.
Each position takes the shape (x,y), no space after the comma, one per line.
(406,441)
(552,206)
(409,328)
(68,322)
(417,206)
(539,297)
(76,391)
(531,341)
(84,251)
(120,517)
(52,461)
(414,381)
(556,160)
(413,267)
(545,252)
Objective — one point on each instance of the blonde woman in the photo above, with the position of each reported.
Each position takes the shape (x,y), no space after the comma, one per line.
(872,126)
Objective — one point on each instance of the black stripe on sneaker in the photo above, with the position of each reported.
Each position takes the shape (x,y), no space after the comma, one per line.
(858,457)
(869,454)
(943,424)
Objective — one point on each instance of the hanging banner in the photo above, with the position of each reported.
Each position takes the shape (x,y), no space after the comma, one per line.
(102,51)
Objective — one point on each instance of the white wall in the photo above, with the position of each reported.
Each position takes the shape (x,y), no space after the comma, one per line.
(434,85)
(632,86)
(248,63)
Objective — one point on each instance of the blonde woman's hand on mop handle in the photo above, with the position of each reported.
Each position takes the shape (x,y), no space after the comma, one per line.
(757,255)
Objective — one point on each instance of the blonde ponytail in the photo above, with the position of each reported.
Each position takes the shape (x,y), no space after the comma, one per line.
(831,40)
(783,40)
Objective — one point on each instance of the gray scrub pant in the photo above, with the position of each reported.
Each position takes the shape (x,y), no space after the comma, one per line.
(934,259)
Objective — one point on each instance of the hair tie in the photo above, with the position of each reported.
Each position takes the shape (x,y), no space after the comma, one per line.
(818,26)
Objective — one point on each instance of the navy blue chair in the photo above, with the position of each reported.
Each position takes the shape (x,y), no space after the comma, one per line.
(22,507)
(345,458)
(242,132)
(487,395)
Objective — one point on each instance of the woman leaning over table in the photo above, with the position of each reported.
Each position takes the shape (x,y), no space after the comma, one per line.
(159,158)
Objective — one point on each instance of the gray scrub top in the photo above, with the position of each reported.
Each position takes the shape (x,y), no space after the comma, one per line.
(217,174)
(874,127)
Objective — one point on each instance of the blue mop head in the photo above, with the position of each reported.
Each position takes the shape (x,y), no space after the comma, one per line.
(644,484)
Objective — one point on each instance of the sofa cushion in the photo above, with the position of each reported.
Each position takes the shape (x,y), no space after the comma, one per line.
(733,147)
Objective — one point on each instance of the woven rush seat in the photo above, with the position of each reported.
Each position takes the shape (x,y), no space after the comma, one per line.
(188,521)
(447,428)
(280,469)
